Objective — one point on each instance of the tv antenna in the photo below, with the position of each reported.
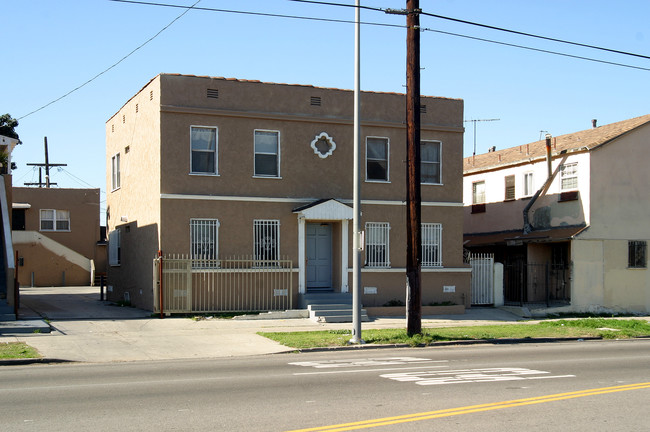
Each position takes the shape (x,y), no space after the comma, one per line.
(476,121)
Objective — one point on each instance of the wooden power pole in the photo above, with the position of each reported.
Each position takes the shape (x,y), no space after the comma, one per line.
(47,166)
(413,192)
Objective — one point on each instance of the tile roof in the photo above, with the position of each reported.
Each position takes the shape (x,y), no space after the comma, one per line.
(583,140)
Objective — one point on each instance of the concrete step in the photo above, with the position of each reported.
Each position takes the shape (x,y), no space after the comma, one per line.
(334,313)
(24,326)
(341,318)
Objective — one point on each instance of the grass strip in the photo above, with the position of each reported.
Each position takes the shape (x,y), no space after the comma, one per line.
(578,328)
(17,350)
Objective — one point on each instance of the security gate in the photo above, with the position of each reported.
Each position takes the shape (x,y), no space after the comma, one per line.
(482,279)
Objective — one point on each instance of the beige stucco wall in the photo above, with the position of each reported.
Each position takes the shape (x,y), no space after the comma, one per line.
(602,281)
(134,133)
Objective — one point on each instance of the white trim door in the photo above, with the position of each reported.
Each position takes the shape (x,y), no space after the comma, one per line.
(318,242)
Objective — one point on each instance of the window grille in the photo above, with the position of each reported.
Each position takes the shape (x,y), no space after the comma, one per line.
(636,256)
(431,245)
(377,244)
(204,241)
(266,235)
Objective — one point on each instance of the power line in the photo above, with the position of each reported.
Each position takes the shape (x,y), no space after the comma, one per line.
(113,65)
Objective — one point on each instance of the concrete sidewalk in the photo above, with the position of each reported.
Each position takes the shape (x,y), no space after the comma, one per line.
(86,329)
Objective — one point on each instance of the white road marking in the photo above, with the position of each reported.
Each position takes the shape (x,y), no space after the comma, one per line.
(463,376)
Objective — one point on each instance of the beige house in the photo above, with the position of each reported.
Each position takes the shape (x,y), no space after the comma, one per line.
(571,231)
(212,168)
(56,233)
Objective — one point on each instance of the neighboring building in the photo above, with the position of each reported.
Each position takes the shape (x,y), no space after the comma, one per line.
(56,233)
(214,168)
(585,245)
(8,303)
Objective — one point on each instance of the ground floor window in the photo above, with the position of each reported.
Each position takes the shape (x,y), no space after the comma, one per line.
(204,241)
(431,245)
(377,244)
(114,248)
(636,255)
(266,236)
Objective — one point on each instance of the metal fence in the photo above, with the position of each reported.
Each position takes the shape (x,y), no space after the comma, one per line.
(184,285)
(534,283)
(482,278)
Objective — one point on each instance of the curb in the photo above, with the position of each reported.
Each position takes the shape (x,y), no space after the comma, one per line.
(30,361)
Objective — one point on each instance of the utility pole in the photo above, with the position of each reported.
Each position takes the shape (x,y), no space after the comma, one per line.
(413,192)
(47,166)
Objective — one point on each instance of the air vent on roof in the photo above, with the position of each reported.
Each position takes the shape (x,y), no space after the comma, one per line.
(314,101)
(423,109)
(213,93)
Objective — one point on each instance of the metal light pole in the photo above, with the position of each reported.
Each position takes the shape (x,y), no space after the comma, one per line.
(356,221)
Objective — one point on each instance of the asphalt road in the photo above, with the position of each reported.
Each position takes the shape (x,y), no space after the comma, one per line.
(568,386)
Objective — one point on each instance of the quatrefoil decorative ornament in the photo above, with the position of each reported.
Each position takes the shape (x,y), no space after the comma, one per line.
(323,145)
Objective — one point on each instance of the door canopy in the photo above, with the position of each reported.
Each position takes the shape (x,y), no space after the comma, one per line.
(325,209)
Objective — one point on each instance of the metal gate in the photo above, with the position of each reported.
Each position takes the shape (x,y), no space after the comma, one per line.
(482,279)
(536,283)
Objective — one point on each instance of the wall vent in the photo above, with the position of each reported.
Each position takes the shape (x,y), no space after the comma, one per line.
(423,109)
(123,118)
(137,108)
(127,149)
(213,93)
(151,95)
(112,128)
(314,101)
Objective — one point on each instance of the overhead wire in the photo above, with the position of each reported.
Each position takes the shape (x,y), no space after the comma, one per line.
(188,8)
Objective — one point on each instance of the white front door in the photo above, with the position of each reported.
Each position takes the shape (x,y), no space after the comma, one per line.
(318,245)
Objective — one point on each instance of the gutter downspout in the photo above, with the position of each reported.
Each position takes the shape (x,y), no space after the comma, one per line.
(547,184)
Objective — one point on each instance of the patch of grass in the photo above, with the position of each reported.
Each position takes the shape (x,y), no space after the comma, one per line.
(17,350)
(579,328)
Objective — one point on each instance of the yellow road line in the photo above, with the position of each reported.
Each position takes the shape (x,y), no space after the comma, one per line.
(473,409)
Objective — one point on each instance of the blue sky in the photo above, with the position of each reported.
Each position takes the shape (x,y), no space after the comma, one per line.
(52,47)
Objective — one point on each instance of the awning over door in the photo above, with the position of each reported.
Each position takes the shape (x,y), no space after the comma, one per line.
(325,209)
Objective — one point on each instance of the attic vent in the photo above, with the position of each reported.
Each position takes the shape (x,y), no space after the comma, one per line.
(423,109)
(136,108)
(112,128)
(314,101)
(123,118)
(213,93)
(151,95)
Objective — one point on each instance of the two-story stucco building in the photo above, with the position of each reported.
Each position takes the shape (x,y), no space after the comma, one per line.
(571,233)
(211,168)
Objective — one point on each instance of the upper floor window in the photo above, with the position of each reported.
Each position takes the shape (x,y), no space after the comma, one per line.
(204,150)
(478,192)
(636,254)
(266,238)
(377,244)
(510,188)
(430,165)
(267,153)
(528,184)
(115,172)
(204,241)
(431,245)
(569,177)
(377,159)
(114,248)
(55,220)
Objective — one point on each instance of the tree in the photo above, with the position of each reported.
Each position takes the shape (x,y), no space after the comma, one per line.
(8,126)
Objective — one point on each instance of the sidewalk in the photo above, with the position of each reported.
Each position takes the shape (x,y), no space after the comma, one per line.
(86,329)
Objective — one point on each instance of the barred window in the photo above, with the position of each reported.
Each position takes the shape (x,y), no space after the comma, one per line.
(636,255)
(204,241)
(431,245)
(266,235)
(377,244)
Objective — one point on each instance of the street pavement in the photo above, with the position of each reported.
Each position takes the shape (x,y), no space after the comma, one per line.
(87,329)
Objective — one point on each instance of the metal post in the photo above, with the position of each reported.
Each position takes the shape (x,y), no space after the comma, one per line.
(101,288)
(356,220)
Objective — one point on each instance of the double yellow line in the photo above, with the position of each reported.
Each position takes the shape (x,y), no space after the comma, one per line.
(386,421)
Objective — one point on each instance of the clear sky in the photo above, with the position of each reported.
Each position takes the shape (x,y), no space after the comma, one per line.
(52,47)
